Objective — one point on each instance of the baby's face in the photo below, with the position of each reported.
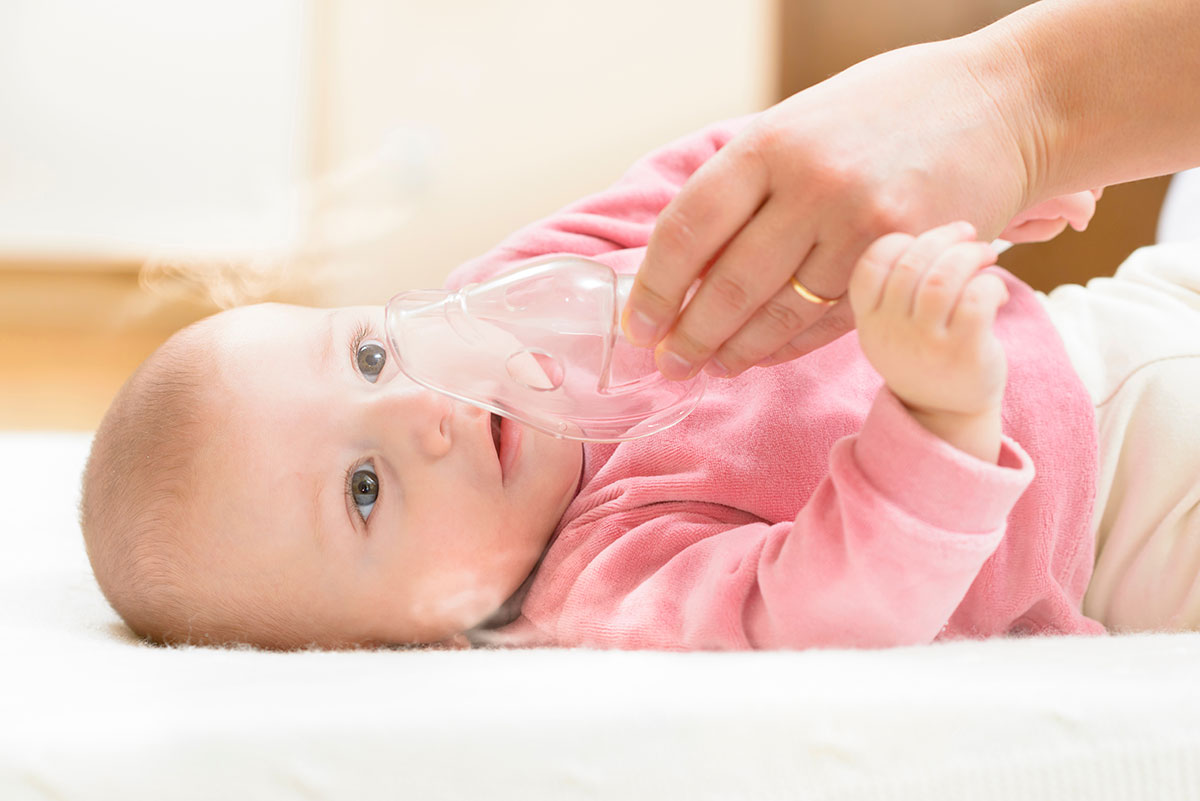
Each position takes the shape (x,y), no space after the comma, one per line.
(377,509)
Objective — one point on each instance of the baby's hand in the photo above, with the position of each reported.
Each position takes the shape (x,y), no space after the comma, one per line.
(924,315)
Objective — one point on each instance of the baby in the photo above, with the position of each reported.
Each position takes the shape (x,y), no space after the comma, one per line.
(269,477)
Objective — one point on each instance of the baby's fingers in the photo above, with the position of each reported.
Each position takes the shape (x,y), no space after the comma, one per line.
(976,309)
(871,272)
(899,294)
(943,283)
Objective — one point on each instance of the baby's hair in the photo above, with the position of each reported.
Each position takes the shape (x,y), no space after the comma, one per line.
(138,493)
(136,481)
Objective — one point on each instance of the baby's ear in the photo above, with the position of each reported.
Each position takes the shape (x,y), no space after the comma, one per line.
(1047,219)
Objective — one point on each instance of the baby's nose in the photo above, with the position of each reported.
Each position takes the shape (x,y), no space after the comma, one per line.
(419,415)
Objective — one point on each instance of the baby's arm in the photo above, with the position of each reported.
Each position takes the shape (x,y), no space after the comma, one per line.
(924,314)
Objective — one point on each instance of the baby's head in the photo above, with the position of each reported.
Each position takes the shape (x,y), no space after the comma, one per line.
(269,477)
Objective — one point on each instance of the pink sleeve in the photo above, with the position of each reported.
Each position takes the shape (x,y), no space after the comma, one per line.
(612,226)
(881,555)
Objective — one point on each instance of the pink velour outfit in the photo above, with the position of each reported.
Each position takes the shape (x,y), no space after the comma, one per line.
(801,506)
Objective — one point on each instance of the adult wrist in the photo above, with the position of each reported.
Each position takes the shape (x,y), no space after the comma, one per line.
(1108,88)
(1002,65)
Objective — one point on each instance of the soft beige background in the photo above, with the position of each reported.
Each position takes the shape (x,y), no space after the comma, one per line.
(408,137)
(491,115)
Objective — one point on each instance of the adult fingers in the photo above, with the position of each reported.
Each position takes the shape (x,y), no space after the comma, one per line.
(862,296)
(714,203)
(789,311)
(1080,210)
(1034,230)
(837,320)
(749,270)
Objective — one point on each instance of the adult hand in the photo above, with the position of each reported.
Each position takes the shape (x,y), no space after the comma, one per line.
(905,141)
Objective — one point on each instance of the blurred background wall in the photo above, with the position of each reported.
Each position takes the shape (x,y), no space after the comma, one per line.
(159,159)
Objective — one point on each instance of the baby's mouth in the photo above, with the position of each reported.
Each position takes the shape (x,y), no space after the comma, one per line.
(496,433)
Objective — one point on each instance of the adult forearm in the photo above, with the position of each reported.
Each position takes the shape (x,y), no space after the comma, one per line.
(1113,87)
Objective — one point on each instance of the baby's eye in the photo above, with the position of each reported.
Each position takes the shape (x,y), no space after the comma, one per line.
(364,490)
(370,358)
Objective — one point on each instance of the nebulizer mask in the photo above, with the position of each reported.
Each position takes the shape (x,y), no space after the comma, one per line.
(541,345)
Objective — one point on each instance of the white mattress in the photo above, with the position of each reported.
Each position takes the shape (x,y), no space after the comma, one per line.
(86,712)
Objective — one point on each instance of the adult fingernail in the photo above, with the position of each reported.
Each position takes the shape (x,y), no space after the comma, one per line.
(642,330)
(715,369)
(673,366)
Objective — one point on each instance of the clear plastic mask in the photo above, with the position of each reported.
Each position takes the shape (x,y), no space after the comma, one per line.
(541,345)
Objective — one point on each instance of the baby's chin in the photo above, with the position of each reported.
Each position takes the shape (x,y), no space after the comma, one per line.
(443,614)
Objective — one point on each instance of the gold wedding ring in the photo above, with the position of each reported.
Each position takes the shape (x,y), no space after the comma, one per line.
(810,296)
